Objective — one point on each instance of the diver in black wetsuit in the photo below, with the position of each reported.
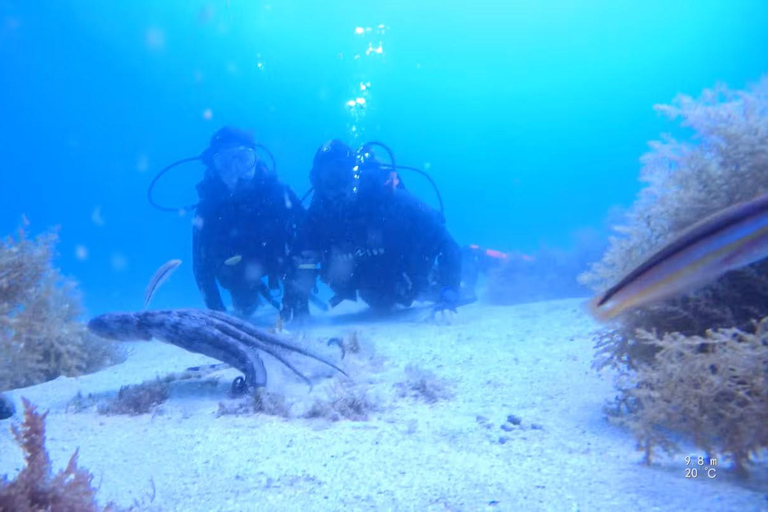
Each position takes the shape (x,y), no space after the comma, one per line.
(366,236)
(244,225)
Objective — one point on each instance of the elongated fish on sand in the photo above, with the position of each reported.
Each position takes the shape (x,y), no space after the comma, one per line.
(729,239)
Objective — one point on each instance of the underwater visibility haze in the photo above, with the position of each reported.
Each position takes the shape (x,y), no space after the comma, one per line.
(381,223)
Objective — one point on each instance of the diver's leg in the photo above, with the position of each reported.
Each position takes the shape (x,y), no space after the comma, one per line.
(378,300)
(245,299)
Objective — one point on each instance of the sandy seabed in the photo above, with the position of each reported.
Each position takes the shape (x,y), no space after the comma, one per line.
(531,362)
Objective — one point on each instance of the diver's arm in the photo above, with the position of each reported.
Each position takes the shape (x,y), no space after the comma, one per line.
(298,286)
(432,230)
(303,260)
(296,216)
(297,282)
(202,268)
(449,262)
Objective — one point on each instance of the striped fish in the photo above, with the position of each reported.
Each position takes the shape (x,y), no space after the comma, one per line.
(729,239)
(158,278)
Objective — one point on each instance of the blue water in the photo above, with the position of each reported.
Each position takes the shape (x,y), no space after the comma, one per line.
(531,116)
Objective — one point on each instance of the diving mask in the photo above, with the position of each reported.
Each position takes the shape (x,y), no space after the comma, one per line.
(235,164)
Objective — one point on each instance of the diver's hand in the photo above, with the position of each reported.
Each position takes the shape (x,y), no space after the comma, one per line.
(295,310)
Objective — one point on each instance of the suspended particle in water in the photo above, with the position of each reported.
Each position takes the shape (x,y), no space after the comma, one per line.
(207,114)
(119,262)
(81,252)
(206,14)
(155,38)
(359,30)
(96,216)
(142,163)
(12,23)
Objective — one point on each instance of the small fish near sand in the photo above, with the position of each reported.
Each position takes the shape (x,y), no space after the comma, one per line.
(729,239)
(158,278)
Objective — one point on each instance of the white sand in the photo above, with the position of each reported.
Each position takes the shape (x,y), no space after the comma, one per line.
(532,361)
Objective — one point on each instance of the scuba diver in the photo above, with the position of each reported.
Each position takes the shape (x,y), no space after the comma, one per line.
(245,223)
(365,235)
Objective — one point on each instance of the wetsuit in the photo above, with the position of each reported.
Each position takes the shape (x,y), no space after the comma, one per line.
(242,236)
(381,242)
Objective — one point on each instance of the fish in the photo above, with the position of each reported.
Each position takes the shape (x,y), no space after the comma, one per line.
(729,239)
(234,260)
(158,278)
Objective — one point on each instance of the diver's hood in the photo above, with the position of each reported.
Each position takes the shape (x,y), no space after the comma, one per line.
(227,137)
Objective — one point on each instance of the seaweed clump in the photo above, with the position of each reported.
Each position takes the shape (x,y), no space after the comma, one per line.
(344,400)
(36,487)
(725,163)
(137,399)
(714,388)
(40,336)
(694,364)
(424,385)
(261,401)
